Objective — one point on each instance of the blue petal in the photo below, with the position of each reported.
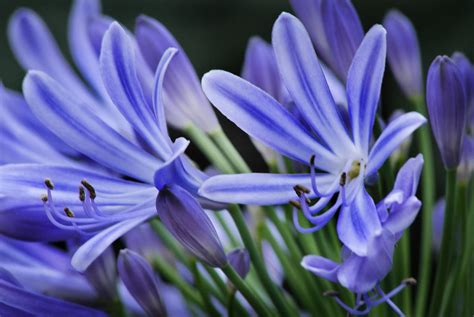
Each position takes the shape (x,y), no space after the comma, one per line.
(185,101)
(77,124)
(182,215)
(409,175)
(240,261)
(95,246)
(140,280)
(262,117)
(343,32)
(22,302)
(81,43)
(259,188)
(360,274)
(35,49)
(119,73)
(392,136)
(364,81)
(304,78)
(26,211)
(402,216)
(358,223)
(322,267)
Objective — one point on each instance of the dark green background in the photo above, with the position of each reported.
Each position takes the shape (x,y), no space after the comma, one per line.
(214,33)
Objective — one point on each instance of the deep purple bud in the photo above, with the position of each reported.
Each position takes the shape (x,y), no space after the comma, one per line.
(140,280)
(102,275)
(182,215)
(240,261)
(446,102)
(344,33)
(467,73)
(403,53)
(335,30)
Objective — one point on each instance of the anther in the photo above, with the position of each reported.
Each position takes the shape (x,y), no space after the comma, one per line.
(49,184)
(331,293)
(82,194)
(343,179)
(89,187)
(355,169)
(44,198)
(301,188)
(295,203)
(312,159)
(68,212)
(409,281)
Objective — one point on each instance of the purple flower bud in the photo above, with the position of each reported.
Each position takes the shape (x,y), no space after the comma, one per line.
(188,223)
(140,280)
(344,33)
(403,53)
(467,73)
(102,275)
(446,102)
(240,261)
(335,30)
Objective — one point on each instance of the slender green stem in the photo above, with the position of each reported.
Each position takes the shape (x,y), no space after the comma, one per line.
(445,258)
(428,195)
(292,275)
(249,295)
(204,290)
(170,242)
(275,295)
(172,275)
(233,156)
(210,150)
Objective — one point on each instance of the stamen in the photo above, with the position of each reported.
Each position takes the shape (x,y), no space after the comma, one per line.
(294,203)
(301,188)
(44,198)
(355,170)
(312,169)
(68,212)
(90,188)
(82,194)
(49,184)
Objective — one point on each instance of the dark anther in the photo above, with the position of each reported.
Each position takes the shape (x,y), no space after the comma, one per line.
(89,187)
(343,179)
(44,198)
(49,183)
(300,189)
(68,212)
(331,293)
(82,194)
(295,203)
(409,281)
(312,159)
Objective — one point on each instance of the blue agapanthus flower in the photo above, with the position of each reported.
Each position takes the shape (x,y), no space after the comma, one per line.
(363,274)
(106,206)
(339,152)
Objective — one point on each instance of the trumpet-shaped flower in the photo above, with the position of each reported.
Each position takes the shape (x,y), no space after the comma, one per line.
(106,206)
(362,274)
(340,157)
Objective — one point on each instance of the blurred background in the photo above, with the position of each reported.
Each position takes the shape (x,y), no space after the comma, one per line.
(214,33)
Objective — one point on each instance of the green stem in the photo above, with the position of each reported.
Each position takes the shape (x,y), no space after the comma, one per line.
(292,275)
(253,300)
(204,290)
(275,295)
(233,156)
(210,150)
(445,258)
(172,275)
(169,241)
(428,192)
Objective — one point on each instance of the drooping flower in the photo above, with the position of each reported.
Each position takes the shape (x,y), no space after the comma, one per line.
(362,274)
(446,101)
(335,29)
(342,155)
(140,280)
(403,53)
(100,214)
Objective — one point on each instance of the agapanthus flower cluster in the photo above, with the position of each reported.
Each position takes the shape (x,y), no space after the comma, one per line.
(102,212)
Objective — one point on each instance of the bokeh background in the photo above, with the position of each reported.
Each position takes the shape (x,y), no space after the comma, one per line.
(214,33)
